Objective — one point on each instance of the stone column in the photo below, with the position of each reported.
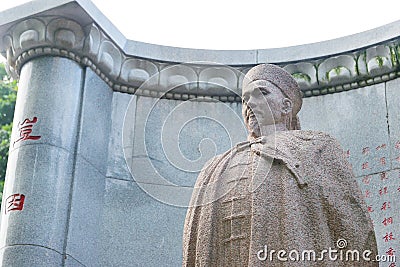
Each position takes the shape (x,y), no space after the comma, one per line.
(40,171)
(53,197)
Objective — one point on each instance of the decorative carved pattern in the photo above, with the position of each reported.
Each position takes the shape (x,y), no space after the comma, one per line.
(377,60)
(181,78)
(137,71)
(41,36)
(219,80)
(305,74)
(91,47)
(337,70)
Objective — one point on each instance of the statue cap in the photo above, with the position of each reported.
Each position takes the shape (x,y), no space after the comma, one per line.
(279,77)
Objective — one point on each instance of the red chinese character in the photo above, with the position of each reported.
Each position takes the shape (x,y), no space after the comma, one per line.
(367,193)
(397,146)
(381,147)
(383,176)
(365,165)
(385,205)
(348,153)
(398,159)
(383,191)
(366,179)
(370,209)
(387,221)
(393,264)
(15,202)
(390,252)
(383,161)
(388,237)
(25,129)
(365,150)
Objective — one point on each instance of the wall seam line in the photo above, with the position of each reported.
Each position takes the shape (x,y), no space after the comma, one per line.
(388,125)
(75,158)
(31,245)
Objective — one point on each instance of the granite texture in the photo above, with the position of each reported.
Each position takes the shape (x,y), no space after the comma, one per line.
(117,163)
(90,172)
(382,197)
(95,124)
(86,12)
(85,221)
(71,262)
(28,256)
(283,188)
(137,230)
(351,117)
(393,108)
(42,156)
(43,174)
(46,92)
(307,201)
(78,31)
(365,122)
(174,139)
(143,106)
(83,34)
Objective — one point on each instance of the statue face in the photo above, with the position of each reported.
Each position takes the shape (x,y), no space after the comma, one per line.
(264,104)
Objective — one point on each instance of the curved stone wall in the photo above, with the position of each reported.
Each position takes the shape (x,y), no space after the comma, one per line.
(148,117)
(321,68)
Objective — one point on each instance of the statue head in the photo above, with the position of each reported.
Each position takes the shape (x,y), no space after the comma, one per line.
(271,97)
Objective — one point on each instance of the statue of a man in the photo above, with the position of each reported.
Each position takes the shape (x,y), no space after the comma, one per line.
(285,197)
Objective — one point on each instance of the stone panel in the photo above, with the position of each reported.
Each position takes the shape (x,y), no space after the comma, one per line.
(365,122)
(90,170)
(27,256)
(138,230)
(40,94)
(85,218)
(174,139)
(382,196)
(95,121)
(43,174)
(358,120)
(117,166)
(393,103)
(71,262)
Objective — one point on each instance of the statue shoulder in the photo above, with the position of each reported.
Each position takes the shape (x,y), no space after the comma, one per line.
(308,140)
(325,138)
(308,135)
(234,152)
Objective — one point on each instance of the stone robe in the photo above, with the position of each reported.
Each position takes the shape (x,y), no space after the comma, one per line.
(292,192)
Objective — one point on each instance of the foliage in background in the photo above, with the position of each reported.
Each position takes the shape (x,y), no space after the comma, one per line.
(8,95)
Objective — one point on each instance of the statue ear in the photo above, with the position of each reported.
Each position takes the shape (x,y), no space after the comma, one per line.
(287,106)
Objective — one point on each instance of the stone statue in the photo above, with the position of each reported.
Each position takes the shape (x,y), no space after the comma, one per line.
(285,197)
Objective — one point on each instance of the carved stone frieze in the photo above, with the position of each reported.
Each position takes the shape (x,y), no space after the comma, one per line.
(90,46)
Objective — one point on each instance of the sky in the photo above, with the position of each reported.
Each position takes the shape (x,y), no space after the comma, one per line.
(252,24)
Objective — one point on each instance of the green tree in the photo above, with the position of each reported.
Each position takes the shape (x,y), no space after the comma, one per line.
(8,95)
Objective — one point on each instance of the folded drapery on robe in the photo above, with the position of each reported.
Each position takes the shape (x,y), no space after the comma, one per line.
(294,191)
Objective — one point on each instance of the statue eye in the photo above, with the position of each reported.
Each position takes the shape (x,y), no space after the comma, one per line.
(264,91)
